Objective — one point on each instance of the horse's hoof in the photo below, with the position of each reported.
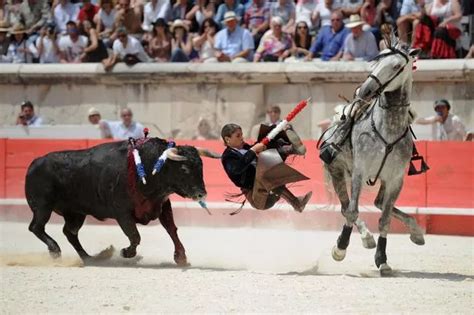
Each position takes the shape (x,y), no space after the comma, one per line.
(368,241)
(385,270)
(128,252)
(338,254)
(55,254)
(418,239)
(181,260)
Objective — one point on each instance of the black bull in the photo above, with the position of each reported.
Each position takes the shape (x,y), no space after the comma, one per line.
(98,182)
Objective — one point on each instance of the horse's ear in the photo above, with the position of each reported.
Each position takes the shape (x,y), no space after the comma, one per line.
(414,52)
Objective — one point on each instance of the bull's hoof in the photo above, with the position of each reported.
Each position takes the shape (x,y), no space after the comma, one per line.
(55,254)
(418,239)
(181,260)
(368,241)
(385,270)
(128,252)
(338,254)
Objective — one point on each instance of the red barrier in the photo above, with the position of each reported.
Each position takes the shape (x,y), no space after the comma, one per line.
(449,183)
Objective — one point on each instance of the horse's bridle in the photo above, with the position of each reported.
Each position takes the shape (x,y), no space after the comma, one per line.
(393,51)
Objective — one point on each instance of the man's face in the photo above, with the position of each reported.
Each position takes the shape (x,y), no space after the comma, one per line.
(72,31)
(442,110)
(124,4)
(231,24)
(94,119)
(126,117)
(273,115)
(336,22)
(236,140)
(122,37)
(27,112)
(356,31)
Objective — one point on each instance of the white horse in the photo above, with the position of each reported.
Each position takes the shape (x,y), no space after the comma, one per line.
(377,147)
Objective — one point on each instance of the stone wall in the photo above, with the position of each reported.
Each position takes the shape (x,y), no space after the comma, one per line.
(170,98)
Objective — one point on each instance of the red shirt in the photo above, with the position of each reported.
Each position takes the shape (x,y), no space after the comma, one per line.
(88,14)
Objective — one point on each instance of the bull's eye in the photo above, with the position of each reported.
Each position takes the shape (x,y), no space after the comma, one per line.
(396,67)
(185,169)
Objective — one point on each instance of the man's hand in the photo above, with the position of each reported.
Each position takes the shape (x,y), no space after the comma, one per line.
(259,147)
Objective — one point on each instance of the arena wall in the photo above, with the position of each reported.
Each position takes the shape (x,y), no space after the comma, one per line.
(170,98)
(441,199)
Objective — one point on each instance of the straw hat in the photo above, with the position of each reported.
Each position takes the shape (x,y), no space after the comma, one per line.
(178,23)
(355,21)
(18,29)
(4,26)
(93,111)
(230,15)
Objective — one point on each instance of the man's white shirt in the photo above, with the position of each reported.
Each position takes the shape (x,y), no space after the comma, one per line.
(72,50)
(133,48)
(120,131)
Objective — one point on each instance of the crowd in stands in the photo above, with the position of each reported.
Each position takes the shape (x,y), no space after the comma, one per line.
(132,31)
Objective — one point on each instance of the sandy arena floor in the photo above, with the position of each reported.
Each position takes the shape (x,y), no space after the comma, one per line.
(233,270)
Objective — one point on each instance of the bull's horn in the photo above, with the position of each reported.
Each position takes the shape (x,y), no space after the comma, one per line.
(208,153)
(172,154)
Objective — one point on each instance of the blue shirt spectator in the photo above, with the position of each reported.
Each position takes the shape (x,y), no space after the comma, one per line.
(233,40)
(408,7)
(229,5)
(330,39)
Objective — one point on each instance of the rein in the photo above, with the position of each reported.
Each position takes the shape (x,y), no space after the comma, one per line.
(388,146)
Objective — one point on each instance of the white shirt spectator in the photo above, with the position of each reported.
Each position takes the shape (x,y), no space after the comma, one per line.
(48,55)
(133,48)
(64,14)
(72,50)
(108,20)
(364,47)
(304,10)
(35,121)
(451,130)
(119,131)
(150,14)
(14,55)
(324,14)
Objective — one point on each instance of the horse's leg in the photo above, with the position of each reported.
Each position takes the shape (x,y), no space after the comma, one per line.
(390,196)
(350,212)
(416,232)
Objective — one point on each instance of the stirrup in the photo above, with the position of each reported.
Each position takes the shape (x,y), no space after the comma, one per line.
(423,168)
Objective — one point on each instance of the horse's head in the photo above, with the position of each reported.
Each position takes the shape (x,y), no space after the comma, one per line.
(392,67)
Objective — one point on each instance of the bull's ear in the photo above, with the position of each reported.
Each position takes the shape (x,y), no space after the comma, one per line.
(172,154)
(207,153)
(414,52)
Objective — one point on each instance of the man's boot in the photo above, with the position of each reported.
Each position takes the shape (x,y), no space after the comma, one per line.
(298,146)
(298,203)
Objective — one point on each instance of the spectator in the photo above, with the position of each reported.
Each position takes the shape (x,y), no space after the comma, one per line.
(47,45)
(445,126)
(12,12)
(127,127)
(229,6)
(204,131)
(34,14)
(304,12)
(348,7)
(87,12)
(72,45)
(94,117)
(105,19)
(233,43)
(126,48)
(360,44)
(286,10)
(330,41)
(386,32)
(444,17)
(202,10)
(257,19)
(181,43)
(128,18)
(64,12)
(4,10)
(273,115)
(95,50)
(410,12)
(275,45)
(27,116)
(301,45)
(19,50)
(322,13)
(470,53)
(204,43)
(154,10)
(180,12)
(159,47)
(4,40)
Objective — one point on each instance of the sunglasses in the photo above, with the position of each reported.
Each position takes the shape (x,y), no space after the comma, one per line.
(302,27)
(332,20)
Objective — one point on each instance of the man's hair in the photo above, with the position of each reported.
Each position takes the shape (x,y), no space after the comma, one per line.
(27,104)
(228,130)
(71,23)
(442,102)
(275,109)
